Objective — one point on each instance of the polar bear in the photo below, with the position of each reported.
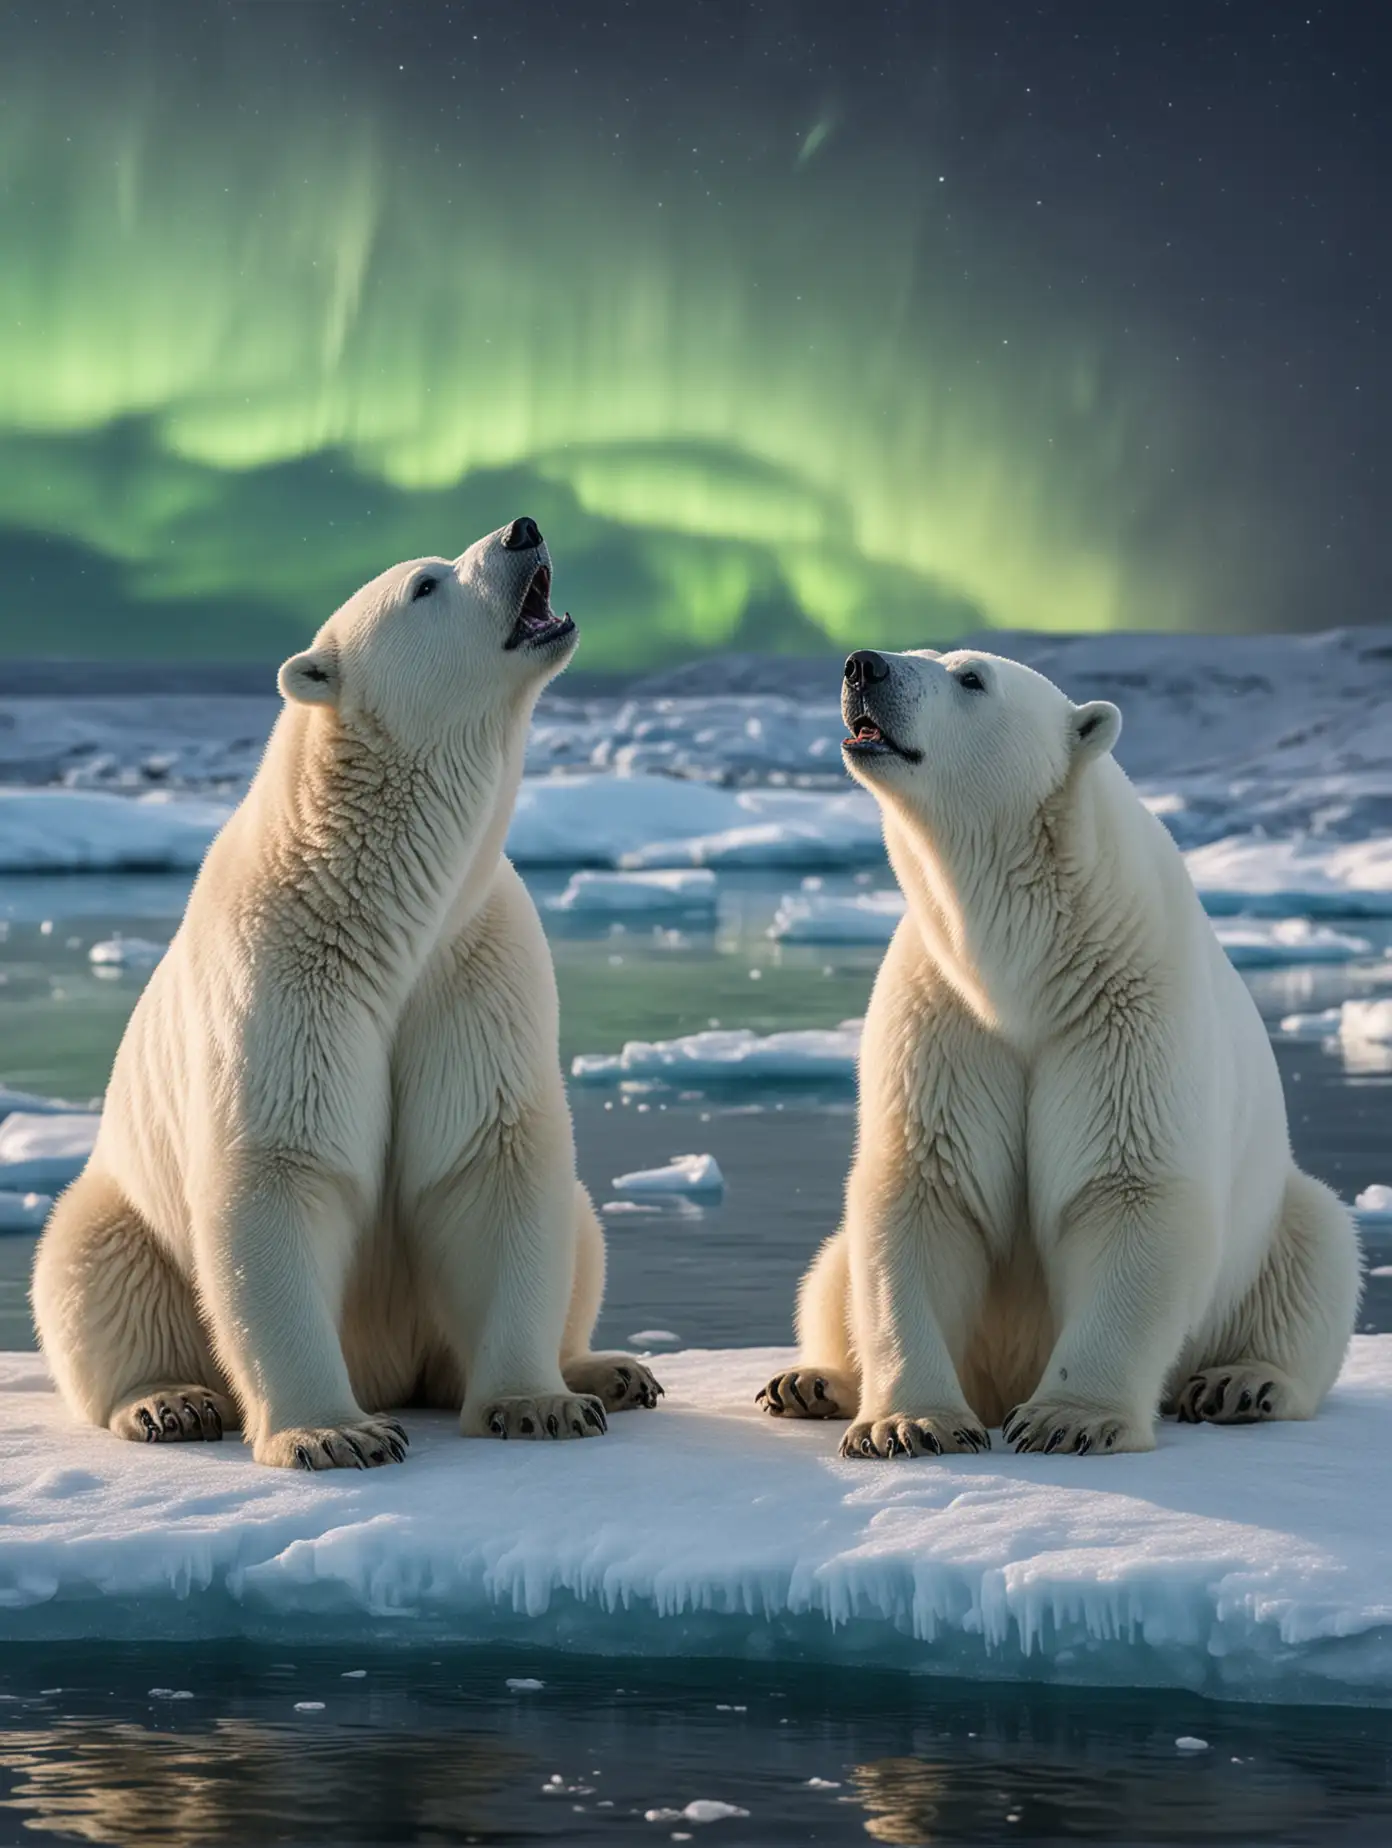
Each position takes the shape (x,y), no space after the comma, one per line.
(1073,1199)
(335,1172)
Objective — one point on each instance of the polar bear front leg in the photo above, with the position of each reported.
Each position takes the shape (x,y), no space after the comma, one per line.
(918,1268)
(1122,1271)
(498,1242)
(272,1258)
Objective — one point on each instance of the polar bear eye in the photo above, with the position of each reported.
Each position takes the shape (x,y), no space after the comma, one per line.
(424,588)
(972,681)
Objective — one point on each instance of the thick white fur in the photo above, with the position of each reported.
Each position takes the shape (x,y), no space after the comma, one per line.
(335,1172)
(1073,1184)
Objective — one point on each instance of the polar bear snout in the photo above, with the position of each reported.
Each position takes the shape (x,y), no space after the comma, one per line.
(524,535)
(874,711)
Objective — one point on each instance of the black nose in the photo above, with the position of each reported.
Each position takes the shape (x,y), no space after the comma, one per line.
(523,535)
(865,669)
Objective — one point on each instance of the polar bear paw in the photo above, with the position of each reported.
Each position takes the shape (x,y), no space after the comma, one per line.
(619,1381)
(175,1415)
(1246,1393)
(927,1434)
(1054,1426)
(548,1415)
(809,1392)
(361,1443)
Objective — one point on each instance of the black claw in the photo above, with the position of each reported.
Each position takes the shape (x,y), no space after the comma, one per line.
(527,1427)
(398,1451)
(553,1424)
(892,1446)
(1109,1440)
(497,1424)
(796,1391)
(1244,1400)
(399,1431)
(169,1419)
(867,1447)
(356,1449)
(819,1388)
(1054,1439)
(577,1427)
(1083,1445)
(212,1421)
(1265,1406)
(1264,1391)
(151,1428)
(624,1377)
(302,1458)
(761,1396)
(590,1417)
(931,1444)
(774,1398)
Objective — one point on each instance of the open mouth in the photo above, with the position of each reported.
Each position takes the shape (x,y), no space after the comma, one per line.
(867,739)
(537,624)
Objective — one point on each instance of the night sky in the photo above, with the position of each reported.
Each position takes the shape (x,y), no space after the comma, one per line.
(793,323)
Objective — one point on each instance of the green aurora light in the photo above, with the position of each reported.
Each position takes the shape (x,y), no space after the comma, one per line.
(253,351)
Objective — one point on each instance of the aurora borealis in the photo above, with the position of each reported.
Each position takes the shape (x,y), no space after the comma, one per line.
(787,322)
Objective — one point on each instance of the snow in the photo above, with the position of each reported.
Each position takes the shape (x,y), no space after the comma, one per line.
(682,892)
(41,1153)
(684,1174)
(1248,1562)
(859,917)
(1280,878)
(1374,1209)
(734,1055)
(1251,943)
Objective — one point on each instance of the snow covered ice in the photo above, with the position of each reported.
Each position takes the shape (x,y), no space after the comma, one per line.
(42,1153)
(680,893)
(734,1055)
(849,917)
(1248,1562)
(684,1174)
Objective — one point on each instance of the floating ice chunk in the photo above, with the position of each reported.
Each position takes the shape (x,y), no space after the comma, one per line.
(12,1102)
(309,1706)
(710,1809)
(353,1674)
(1374,1199)
(731,1056)
(1254,944)
(120,952)
(822,1783)
(684,1174)
(1319,1026)
(648,1337)
(1186,1742)
(860,917)
(662,821)
(23,1212)
(1366,1020)
(70,830)
(40,1154)
(524,1684)
(1281,878)
(678,892)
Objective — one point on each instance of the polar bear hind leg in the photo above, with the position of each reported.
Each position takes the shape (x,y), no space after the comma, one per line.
(119,1325)
(1279,1353)
(825,1383)
(620,1380)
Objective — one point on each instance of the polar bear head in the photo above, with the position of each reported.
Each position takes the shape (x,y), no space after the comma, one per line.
(966,737)
(439,645)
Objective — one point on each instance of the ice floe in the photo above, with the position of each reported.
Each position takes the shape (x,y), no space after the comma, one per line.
(837,917)
(735,1055)
(681,892)
(1245,1562)
(1293,877)
(684,1174)
(71,831)
(41,1153)
(1254,943)
(118,952)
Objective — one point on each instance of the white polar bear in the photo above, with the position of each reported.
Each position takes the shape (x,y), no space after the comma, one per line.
(1073,1192)
(336,1172)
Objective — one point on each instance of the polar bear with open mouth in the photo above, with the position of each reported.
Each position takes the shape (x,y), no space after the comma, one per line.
(1073,1200)
(335,1173)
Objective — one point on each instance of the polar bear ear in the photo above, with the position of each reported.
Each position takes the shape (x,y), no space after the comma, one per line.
(1095,728)
(311,678)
